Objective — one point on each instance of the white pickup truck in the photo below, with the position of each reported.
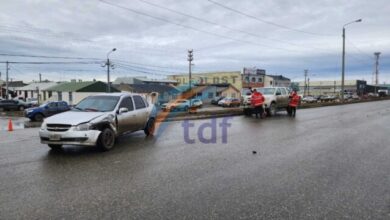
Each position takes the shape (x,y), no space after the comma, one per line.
(276,99)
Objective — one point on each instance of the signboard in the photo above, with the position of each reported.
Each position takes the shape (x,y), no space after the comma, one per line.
(254,71)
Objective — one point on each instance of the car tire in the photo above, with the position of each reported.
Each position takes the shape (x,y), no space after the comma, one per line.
(38,117)
(150,126)
(272,109)
(106,140)
(55,146)
(21,108)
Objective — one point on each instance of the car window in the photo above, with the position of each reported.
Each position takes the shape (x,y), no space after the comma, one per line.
(283,91)
(139,102)
(52,105)
(98,103)
(127,102)
(278,91)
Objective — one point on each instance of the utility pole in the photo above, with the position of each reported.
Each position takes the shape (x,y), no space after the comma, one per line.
(40,77)
(109,65)
(308,86)
(376,70)
(190,59)
(304,88)
(343,59)
(6,79)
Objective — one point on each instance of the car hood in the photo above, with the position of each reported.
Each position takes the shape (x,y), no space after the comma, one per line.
(73,117)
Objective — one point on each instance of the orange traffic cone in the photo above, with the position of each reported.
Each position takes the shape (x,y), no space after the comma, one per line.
(10,127)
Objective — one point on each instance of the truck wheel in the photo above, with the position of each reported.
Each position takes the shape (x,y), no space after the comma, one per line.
(38,117)
(272,109)
(150,126)
(55,146)
(106,139)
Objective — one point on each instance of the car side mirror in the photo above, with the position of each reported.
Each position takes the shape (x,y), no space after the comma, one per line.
(123,110)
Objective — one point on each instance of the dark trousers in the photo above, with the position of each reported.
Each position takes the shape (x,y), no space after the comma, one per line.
(259,110)
(293,110)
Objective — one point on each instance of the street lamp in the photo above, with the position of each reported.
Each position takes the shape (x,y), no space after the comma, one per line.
(108,64)
(343,59)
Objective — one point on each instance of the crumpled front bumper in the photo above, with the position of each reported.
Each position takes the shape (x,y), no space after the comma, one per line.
(85,138)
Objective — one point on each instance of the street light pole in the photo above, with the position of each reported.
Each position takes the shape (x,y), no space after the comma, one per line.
(108,64)
(343,59)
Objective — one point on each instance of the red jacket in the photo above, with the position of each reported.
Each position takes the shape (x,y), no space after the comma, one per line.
(294,100)
(257,99)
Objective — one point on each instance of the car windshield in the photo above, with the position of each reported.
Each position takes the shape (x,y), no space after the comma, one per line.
(266,91)
(98,103)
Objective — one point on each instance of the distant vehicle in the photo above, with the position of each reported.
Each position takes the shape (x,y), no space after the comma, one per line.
(216,100)
(33,101)
(231,102)
(276,99)
(7,105)
(355,97)
(46,110)
(383,92)
(309,99)
(98,120)
(196,103)
(180,104)
(222,101)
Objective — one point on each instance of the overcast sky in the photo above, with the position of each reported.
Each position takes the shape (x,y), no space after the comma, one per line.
(152,37)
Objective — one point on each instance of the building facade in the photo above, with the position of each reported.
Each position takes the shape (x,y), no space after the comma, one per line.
(333,87)
(234,78)
(253,78)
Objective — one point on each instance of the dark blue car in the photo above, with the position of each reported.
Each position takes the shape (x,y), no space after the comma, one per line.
(46,110)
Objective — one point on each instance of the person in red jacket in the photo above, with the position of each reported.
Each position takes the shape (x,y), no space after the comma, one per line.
(257,101)
(294,102)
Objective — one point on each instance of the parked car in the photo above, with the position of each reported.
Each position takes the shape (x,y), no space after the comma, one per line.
(180,104)
(231,102)
(33,101)
(276,99)
(196,103)
(97,121)
(309,99)
(46,110)
(7,105)
(222,101)
(215,100)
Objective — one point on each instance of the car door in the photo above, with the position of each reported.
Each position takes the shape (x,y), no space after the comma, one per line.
(279,98)
(285,96)
(126,120)
(142,111)
(52,108)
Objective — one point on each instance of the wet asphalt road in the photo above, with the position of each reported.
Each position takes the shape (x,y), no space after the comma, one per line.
(327,163)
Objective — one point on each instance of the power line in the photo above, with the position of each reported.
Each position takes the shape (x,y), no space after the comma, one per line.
(216,24)
(265,21)
(54,57)
(190,27)
(17,62)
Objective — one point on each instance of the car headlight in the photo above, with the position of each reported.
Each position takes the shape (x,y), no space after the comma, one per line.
(83,127)
(43,126)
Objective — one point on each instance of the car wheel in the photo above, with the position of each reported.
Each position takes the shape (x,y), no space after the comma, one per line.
(55,146)
(150,126)
(21,108)
(272,109)
(38,117)
(106,139)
